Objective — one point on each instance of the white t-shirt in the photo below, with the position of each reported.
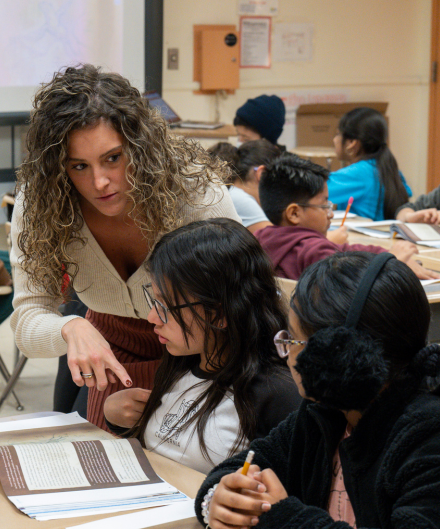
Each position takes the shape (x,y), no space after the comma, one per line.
(183,446)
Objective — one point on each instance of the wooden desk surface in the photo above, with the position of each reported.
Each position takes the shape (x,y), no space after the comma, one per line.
(222,133)
(185,479)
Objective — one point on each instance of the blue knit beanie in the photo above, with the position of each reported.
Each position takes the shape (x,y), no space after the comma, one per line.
(265,114)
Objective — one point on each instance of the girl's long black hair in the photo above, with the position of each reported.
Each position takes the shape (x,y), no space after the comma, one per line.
(253,154)
(220,264)
(370,128)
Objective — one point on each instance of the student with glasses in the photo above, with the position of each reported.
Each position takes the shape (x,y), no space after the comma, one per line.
(363,450)
(295,198)
(215,308)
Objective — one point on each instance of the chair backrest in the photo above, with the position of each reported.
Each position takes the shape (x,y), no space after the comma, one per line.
(6,292)
(287,286)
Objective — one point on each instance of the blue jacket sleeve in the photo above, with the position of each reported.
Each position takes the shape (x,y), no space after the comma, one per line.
(344,184)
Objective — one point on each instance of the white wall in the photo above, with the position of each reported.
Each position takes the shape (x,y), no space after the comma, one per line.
(376,50)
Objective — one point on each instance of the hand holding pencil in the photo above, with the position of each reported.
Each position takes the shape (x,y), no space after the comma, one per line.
(240,499)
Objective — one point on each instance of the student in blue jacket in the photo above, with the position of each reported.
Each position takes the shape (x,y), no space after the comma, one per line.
(373,178)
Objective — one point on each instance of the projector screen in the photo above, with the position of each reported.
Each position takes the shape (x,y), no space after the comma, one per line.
(38,37)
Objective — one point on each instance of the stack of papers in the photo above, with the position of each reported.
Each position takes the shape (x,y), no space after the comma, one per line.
(51,477)
(423,234)
(379,229)
(339,214)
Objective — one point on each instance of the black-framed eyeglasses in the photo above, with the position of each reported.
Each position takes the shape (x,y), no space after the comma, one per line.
(283,341)
(161,310)
(329,206)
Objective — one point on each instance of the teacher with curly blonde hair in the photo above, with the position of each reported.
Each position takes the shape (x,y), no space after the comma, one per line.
(102,181)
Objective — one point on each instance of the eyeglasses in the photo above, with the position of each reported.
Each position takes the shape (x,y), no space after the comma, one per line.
(329,206)
(283,341)
(161,310)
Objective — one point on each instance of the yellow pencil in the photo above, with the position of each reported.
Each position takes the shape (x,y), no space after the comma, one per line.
(248,462)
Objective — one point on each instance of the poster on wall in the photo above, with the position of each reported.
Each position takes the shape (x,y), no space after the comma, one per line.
(258,7)
(255,42)
(292,42)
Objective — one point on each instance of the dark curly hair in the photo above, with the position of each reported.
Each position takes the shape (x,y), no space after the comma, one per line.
(164,171)
(220,264)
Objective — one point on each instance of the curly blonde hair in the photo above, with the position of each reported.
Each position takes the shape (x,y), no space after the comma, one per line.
(164,171)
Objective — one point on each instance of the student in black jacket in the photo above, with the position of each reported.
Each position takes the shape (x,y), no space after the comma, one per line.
(357,343)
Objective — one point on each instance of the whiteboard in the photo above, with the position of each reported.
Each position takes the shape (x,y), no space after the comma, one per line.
(39,37)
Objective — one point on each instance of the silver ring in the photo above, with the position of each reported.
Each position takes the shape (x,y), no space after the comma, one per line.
(86,375)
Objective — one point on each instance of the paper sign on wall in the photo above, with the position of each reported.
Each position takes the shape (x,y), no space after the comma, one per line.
(258,7)
(292,42)
(255,42)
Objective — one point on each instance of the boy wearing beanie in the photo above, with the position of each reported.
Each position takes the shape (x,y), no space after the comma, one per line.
(261,117)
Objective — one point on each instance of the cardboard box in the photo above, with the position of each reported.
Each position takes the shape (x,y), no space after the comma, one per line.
(316,124)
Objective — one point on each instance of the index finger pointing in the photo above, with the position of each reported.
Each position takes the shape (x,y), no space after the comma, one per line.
(120,372)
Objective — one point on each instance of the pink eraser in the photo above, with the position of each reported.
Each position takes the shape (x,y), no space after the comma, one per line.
(350,200)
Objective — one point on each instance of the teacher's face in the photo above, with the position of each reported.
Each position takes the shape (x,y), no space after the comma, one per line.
(96,166)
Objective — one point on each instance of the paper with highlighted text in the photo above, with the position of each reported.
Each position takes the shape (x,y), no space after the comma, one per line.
(53,479)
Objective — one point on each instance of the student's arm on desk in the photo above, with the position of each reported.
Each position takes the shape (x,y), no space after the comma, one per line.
(426,216)
(404,250)
(421,272)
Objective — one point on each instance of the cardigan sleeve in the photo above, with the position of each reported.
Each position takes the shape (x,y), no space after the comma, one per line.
(36,321)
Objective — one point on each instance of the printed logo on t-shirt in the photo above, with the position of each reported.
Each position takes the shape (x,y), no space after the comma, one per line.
(171,423)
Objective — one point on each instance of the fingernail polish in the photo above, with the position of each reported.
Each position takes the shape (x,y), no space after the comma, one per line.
(266,506)
(128,382)
(261,488)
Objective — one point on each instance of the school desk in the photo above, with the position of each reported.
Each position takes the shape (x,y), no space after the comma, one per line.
(220,134)
(430,258)
(185,479)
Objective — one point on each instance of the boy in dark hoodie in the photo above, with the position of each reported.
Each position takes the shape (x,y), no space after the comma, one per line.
(294,197)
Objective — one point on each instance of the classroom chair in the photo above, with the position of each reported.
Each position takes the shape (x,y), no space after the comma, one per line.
(6,296)
(286,286)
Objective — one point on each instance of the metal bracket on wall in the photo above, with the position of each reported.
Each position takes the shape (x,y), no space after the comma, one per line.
(173,59)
